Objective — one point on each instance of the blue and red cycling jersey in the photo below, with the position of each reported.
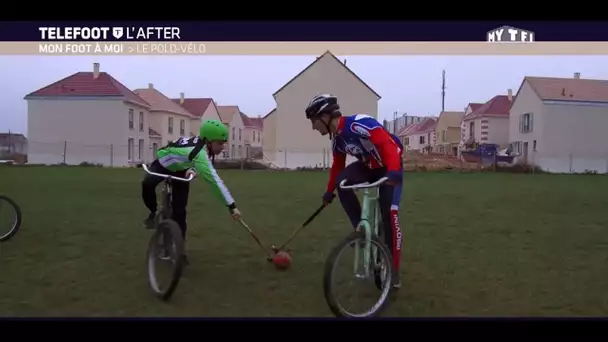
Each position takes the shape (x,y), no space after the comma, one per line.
(364,138)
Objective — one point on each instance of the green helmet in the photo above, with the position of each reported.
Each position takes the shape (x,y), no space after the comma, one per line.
(213,130)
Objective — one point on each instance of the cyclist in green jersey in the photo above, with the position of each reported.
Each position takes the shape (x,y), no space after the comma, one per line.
(181,158)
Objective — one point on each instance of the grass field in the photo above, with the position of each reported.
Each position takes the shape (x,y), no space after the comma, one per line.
(475,245)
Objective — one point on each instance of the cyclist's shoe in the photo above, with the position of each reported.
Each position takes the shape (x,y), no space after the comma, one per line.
(396,282)
(149,222)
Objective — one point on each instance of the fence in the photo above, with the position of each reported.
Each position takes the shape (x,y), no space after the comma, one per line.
(74,153)
(588,162)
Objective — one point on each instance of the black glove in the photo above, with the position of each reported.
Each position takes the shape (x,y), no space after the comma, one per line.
(328,197)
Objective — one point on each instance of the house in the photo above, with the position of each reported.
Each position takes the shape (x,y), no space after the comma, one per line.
(201,109)
(447,133)
(87,116)
(420,137)
(559,124)
(488,123)
(253,136)
(289,140)
(397,125)
(403,135)
(464,134)
(12,144)
(231,116)
(167,118)
(269,136)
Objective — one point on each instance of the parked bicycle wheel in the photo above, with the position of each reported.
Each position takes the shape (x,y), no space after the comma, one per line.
(10,218)
(165,259)
(369,302)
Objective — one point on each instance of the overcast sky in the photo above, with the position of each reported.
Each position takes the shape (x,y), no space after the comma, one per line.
(409,84)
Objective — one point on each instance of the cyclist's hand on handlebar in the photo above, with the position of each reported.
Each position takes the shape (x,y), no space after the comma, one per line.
(191,172)
(236,214)
(328,197)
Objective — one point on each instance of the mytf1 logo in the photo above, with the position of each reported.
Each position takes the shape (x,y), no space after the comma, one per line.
(508,34)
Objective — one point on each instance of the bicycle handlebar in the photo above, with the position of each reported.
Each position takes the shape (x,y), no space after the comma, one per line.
(145,167)
(365,185)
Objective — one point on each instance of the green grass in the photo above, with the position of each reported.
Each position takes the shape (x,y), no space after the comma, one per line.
(475,245)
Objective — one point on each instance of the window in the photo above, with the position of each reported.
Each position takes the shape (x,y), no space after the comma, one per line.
(170,125)
(407,141)
(259,136)
(130,149)
(240,151)
(421,140)
(232,137)
(225,151)
(239,134)
(525,123)
(232,152)
(472,129)
(534,145)
(141,121)
(140,154)
(444,135)
(154,149)
(182,127)
(131,119)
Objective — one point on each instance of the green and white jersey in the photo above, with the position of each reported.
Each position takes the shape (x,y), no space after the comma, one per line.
(174,157)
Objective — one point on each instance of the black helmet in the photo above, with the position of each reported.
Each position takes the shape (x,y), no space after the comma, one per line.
(320,104)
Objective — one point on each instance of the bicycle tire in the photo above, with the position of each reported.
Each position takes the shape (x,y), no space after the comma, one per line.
(17,223)
(377,273)
(333,304)
(170,227)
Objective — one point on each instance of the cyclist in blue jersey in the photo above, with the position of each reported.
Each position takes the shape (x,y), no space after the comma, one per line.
(378,154)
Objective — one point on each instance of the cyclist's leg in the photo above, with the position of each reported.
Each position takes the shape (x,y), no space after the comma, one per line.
(181,191)
(148,191)
(390,197)
(356,172)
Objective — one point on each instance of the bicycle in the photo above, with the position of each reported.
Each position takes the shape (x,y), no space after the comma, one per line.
(167,242)
(368,246)
(16,218)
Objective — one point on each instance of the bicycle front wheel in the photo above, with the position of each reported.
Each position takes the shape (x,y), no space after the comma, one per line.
(346,272)
(165,259)
(10,218)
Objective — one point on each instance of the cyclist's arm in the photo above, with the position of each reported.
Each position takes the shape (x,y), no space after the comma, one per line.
(337,165)
(389,151)
(205,168)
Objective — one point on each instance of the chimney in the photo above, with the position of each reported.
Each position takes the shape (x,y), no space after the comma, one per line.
(577,75)
(150,86)
(181,98)
(95,70)
(510,94)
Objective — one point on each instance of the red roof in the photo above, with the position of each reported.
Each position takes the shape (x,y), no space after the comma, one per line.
(85,84)
(196,106)
(257,122)
(425,126)
(406,130)
(251,122)
(499,106)
(475,106)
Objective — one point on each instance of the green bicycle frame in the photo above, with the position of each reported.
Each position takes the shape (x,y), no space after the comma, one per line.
(369,209)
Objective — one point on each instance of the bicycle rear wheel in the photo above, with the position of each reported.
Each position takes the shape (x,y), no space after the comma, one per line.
(10,210)
(336,305)
(165,259)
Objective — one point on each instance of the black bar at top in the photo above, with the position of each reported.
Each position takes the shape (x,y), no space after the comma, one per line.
(331,30)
